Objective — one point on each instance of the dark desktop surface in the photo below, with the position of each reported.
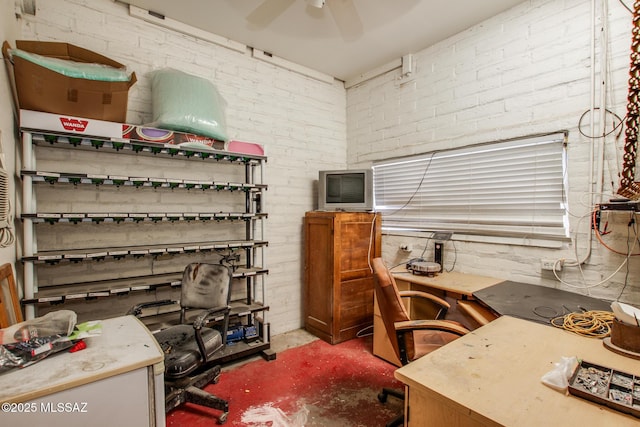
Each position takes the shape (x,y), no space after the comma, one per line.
(536,303)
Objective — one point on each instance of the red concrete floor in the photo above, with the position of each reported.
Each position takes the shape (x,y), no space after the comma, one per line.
(316,384)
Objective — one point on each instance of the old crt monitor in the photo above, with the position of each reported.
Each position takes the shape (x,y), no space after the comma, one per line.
(345,190)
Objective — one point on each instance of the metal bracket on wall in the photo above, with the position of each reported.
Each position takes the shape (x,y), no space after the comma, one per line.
(441,235)
(25,7)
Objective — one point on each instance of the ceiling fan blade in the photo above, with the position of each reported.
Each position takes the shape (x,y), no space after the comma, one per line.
(347,19)
(269,10)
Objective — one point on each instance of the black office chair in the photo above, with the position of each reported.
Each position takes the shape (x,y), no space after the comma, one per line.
(189,347)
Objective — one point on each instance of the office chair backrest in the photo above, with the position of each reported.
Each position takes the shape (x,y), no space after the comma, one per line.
(205,286)
(390,303)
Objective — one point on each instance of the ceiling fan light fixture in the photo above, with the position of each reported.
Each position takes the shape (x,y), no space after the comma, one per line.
(316,3)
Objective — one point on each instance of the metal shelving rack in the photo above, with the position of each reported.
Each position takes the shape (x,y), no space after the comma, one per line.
(250,309)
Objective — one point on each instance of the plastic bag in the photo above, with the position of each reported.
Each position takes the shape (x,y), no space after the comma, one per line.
(59,323)
(558,377)
(269,415)
(22,354)
(187,103)
(30,341)
(75,69)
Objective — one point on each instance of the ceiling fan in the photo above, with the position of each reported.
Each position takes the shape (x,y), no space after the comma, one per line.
(344,14)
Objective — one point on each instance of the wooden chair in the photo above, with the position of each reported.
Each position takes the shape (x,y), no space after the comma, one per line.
(10,311)
(410,338)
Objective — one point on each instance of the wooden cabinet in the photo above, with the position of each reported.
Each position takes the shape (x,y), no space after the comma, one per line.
(338,294)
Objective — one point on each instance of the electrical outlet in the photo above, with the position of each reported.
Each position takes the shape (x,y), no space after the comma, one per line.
(548,264)
(406,247)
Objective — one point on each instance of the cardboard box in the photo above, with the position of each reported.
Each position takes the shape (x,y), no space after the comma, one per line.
(38,88)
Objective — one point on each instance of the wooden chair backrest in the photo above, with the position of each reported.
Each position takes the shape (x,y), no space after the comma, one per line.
(10,311)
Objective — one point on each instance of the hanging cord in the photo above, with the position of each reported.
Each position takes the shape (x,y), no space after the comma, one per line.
(365,332)
(625,6)
(617,126)
(455,258)
(599,235)
(605,280)
(371,239)
(614,127)
(6,234)
(425,246)
(424,174)
(594,323)
(626,276)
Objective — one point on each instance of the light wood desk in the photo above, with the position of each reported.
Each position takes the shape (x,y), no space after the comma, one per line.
(452,287)
(458,285)
(117,380)
(491,377)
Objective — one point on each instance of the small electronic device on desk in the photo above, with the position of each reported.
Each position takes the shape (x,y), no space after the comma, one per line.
(421,267)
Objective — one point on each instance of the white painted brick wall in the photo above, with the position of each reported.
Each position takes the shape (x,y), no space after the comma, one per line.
(300,121)
(8,30)
(522,72)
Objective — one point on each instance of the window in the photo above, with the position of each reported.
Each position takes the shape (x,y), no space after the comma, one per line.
(513,188)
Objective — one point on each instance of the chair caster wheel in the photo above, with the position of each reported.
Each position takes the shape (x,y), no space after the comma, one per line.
(223,418)
(382,397)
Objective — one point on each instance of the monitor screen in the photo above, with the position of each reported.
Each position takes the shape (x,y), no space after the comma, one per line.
(347,190)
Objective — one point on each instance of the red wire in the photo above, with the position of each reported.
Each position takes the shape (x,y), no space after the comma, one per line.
(599,237)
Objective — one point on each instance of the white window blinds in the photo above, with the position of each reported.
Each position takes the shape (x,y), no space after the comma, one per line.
(507,188)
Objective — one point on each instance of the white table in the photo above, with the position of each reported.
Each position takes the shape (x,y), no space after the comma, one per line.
(116,381)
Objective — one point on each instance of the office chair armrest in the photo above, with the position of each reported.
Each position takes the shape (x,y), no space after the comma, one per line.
(201,320)
(444,306)
(425,295)
(136,310)
(440,325)
(204,317)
